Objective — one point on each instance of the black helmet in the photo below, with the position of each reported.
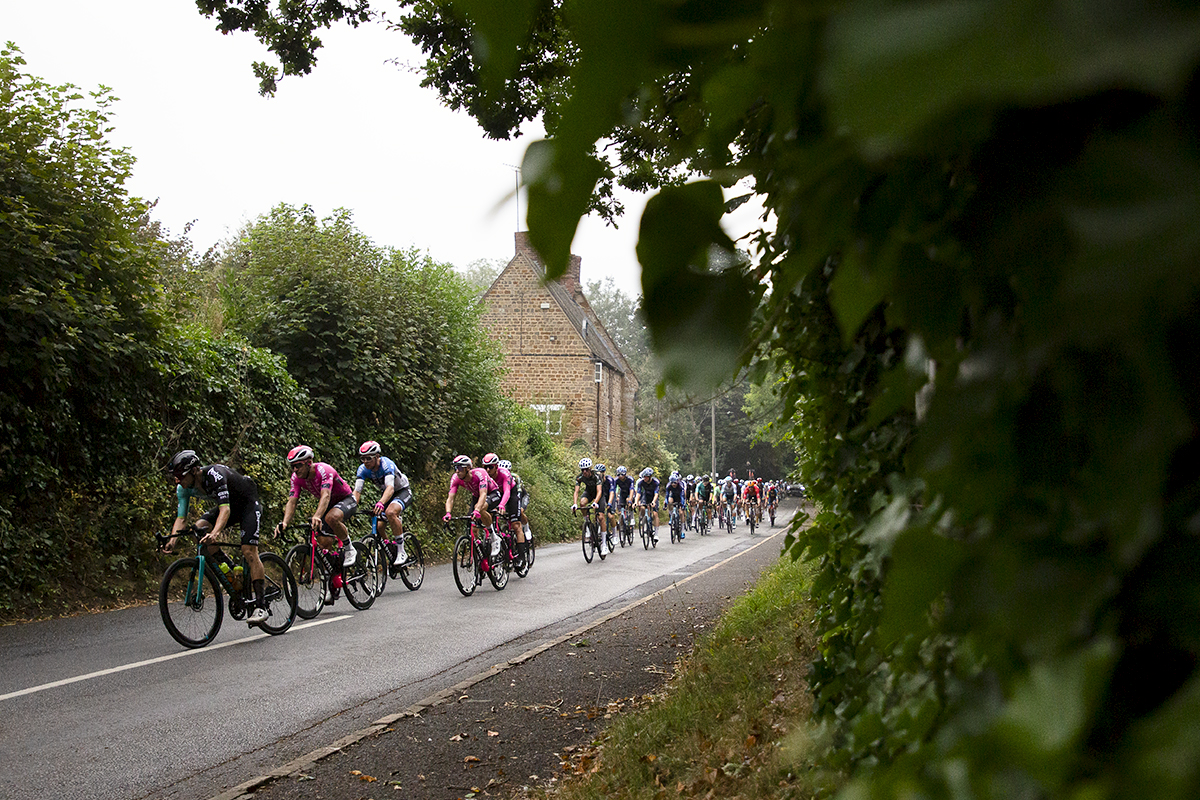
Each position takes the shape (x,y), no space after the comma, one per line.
(183,461)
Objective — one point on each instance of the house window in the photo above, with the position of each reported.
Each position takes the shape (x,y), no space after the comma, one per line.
(552,414)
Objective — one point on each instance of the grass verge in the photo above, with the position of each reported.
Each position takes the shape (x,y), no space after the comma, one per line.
(733,720)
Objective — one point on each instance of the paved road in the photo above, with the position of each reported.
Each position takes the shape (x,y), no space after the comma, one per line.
(153,721)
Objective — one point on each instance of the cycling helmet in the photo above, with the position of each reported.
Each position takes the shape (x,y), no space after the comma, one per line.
(621,470)
(462,461)
(490,460)
(370,448)
(183,461)
(706,478)
(585,463)
(675,476)
(691,477)
(505,464)
(648,472)
(300,453)
(600,468)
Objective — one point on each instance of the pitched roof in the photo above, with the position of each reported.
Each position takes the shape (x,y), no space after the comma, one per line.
(581,315)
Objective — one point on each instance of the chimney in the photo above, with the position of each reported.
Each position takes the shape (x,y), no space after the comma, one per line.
(524,247)
(570,278)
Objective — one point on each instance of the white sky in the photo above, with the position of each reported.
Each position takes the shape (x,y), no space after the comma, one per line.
(357,133)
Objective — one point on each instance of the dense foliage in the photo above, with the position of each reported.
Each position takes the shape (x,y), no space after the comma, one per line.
(386,343)
(992,204)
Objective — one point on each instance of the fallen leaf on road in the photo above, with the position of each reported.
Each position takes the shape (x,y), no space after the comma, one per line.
(493,733)
(456,737)
(471,760)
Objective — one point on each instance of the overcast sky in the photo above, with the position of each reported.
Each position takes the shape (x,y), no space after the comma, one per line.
(357,133)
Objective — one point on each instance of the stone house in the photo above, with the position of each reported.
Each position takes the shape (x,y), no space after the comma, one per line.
(561,362)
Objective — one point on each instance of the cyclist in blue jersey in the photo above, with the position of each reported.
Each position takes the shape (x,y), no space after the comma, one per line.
(395,491)
(607,503)
(647,496)
(235,499)
(674,496)
(624,486)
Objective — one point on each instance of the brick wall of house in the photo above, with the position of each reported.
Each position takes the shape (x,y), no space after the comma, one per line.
(548,361)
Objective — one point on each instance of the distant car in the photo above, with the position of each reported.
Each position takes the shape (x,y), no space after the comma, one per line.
(795,490)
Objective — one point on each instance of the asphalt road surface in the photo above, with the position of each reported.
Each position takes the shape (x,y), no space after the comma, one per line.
(109,706)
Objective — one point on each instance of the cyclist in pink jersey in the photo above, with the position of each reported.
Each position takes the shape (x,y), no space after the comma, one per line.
(485,493)
(510,502)
(335,499)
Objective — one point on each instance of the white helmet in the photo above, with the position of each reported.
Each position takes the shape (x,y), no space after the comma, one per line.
(505,464)
(585,463)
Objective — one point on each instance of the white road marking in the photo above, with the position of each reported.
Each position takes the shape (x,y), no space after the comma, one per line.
(159,660)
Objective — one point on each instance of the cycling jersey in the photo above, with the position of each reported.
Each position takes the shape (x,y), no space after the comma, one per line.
(322,477)
(475,480)
(504,482)
(728,489)
(221,485)
(751,491)
(386,474)
(624,487)
(647,488)
(704,491)
(606,488)
(674,492)
(589,484)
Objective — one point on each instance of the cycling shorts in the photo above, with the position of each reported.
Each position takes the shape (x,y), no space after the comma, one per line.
(513,507)
(249,516)
(493,502)
(403,497)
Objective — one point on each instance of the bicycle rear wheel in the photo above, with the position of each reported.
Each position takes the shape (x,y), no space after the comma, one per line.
(279,594)
(191,603)
(412,572)
(464,565)
(358,579)
(310,582)
(498,574)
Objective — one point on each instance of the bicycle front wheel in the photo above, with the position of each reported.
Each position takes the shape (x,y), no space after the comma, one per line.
(383,560)
(464,565)
(413,571)
(589,546)
(310,583)
(279,594)
(191,603)
(358,579)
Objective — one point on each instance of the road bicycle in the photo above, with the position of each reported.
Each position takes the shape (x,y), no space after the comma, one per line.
(751,515)
(319,581)
(411,571)
(191,599)
(646,527)
(473,557)
(702,519)
(625,526)
(727,517)
(676,523)
(590,535)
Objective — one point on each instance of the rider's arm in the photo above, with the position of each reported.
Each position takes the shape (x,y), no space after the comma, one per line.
(322,506)
(288,510)
(389,489)
(358,485)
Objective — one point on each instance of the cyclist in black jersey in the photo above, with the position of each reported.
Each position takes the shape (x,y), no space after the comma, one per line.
(624,486)
(589,480)
(235,498)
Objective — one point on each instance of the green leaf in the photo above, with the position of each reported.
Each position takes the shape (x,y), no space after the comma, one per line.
(499,30)
(697,317)
(922,565)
